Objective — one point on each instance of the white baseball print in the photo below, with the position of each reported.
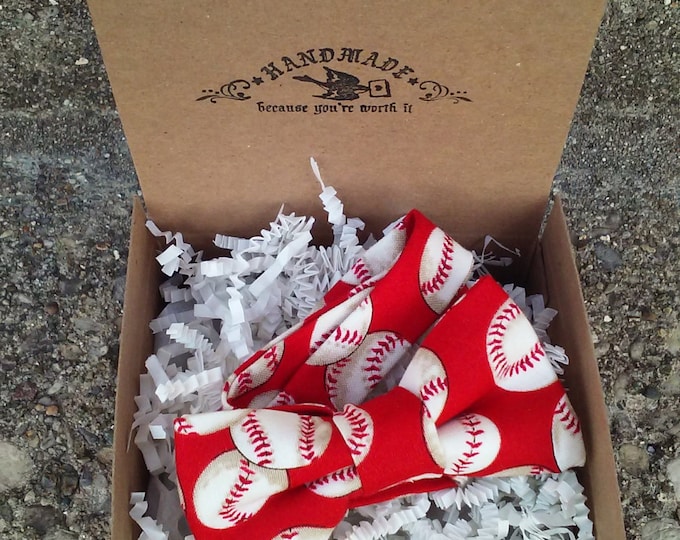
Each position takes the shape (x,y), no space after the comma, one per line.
(338,332)
(272,398)
(378,259)
(336,484)
(356,426)
(522,470)
(426,378)
(304,533)
(351,379)
(515,354)
(359,273)
(258,373)
(567,438)
(470,444)
(231,489)
(444,267)
(207,423)
(264,436)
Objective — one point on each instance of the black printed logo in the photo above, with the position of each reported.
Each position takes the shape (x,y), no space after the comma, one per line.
(341,86)
(339,83)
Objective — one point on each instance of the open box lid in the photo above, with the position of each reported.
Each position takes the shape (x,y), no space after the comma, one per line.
(460,108)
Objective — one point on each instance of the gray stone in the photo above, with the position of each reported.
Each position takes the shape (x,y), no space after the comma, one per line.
(69,480)
(673,340)
(95,490)
(60,534)
(637,349)
(634,459)
(609,258)
(671,385)
(16,466)
(673,472)
(42,518)
(660,529)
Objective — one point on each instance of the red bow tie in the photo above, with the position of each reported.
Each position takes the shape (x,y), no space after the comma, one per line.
(300,446)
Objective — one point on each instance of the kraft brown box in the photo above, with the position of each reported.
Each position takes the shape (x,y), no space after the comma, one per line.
(458,108)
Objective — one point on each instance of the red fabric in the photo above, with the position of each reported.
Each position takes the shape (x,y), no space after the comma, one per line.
(479,397)
(368,321)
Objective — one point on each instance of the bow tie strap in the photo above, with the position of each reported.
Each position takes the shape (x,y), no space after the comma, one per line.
(368,322)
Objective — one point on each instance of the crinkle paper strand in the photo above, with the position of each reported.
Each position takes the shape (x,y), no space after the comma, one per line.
(220,311)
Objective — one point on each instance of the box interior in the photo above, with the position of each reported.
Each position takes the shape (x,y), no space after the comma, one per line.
(552,273)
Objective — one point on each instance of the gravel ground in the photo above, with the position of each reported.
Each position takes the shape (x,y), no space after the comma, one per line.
(66,181)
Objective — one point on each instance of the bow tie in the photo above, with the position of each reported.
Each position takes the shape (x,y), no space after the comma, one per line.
(300,444)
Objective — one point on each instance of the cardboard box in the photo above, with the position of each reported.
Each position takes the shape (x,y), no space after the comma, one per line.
(460,109)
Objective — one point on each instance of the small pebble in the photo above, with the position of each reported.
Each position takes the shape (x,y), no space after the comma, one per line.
(52,308)
(69,480)
(56,386)
(651,392)
(660,529)
(82,61)
(25,390)
(42,518)
(105,455)
(673,340)
(609,258)
(673,472)
(637,349)
(633,458)
(16,466)
(52,410)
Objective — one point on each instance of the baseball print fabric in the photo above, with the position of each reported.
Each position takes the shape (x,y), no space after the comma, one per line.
(297,443)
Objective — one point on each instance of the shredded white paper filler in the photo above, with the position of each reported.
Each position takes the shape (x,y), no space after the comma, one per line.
(220,311)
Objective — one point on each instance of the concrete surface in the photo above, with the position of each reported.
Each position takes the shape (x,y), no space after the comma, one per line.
(66,180)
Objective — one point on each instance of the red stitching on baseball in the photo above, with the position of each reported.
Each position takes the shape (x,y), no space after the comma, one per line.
(359,429)
(333,374)
(182,426)
(307,432)
(472,431)
(244,382)
(431,389)
(361,271)
(282,398)
(348,337)
(495,349)
(505,369)
(288,535)
(507,315)
(236,493)
(315,346)
(342,475)
(272,357)
(443,269)
(339,335)
(258,439)
(375,362)
(362,286)
(567,417)
(538,469)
